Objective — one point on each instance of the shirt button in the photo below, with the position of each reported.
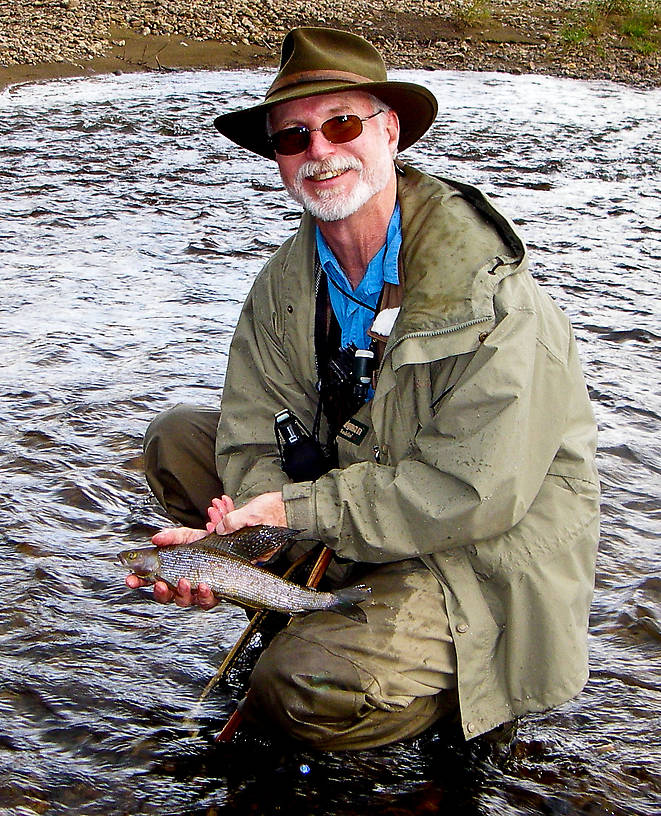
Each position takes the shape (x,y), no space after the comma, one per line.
(462,627)
(470,727)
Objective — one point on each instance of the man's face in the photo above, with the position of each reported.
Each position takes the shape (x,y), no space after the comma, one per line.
(333,181)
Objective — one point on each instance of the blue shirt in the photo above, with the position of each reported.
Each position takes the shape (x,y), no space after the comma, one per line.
(353,318)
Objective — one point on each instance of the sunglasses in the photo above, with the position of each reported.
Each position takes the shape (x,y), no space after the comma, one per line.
(337,130)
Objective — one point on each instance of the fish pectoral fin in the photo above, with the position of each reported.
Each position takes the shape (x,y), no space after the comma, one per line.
(161,580)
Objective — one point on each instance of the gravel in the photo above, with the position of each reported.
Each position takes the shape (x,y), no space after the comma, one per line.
(511,35)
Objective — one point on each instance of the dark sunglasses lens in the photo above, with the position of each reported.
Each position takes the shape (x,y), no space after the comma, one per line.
(342,129)
(291,141)
(339,129)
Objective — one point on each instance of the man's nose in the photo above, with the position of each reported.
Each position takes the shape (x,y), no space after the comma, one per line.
(319,146)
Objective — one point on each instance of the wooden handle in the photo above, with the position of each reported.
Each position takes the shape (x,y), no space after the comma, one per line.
(232,725)
(320,567)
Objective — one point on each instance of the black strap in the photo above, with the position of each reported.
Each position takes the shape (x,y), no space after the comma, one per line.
(327,333)
(327,339)
(337,404)
(355,299)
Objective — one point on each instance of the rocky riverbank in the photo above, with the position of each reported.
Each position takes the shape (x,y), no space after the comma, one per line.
(50,38)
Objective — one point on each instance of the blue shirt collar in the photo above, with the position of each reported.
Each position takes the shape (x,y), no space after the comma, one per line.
(382,268)
(354,319)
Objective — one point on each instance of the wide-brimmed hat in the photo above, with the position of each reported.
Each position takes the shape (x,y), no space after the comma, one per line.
(317,61)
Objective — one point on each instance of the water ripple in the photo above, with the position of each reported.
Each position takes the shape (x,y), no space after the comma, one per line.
(131,233)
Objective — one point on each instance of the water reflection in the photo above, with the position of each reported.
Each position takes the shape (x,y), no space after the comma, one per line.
(130,235)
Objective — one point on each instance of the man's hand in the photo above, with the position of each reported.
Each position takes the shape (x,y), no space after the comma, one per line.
(217,512)
(184,595)
(265,509)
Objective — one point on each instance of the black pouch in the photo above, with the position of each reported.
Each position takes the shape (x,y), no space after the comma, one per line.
(302,456)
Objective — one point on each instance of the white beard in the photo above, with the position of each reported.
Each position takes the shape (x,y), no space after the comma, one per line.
(331,205)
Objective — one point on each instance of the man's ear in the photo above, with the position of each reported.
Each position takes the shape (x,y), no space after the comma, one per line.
(392,129)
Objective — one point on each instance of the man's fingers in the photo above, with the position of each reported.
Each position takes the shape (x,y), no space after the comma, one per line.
(268,508)
(205,597)
(224,504)
(215,516)
(184,595)
(164,538)
(217,513)
(202,596)
(133,582)
(162,592)
(177,535)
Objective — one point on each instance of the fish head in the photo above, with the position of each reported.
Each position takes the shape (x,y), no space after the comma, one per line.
(143,562)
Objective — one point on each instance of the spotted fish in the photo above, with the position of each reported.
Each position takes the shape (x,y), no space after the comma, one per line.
(224,563)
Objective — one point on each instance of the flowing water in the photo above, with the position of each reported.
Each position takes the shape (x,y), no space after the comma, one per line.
(130,233)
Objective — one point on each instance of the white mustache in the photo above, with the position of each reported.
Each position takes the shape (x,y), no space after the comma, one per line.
(334,164)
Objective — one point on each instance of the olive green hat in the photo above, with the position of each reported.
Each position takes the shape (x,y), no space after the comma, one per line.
(318,61)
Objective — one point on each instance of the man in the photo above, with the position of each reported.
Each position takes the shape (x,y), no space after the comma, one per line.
(463,492)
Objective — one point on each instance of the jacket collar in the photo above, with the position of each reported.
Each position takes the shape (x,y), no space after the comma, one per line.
(449,281)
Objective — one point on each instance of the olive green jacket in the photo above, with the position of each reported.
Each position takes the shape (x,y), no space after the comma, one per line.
(478,453)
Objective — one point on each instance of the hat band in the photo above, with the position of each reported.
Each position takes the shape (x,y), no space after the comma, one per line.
(315,76)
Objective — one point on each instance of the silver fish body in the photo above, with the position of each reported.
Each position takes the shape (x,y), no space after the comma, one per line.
(236,579)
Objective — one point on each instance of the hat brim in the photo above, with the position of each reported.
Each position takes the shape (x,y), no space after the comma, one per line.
(415,106)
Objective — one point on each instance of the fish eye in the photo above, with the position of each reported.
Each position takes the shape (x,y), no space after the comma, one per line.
(132,555)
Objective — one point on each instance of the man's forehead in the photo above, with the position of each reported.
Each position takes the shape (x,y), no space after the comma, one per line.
(296,109)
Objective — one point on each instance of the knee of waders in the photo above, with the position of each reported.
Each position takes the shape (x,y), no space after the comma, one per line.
(304,690)
(179,460)
(167,425)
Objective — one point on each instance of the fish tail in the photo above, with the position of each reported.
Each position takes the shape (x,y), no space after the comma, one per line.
(347,600)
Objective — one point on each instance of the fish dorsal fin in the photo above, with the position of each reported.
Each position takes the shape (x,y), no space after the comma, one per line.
(250,542)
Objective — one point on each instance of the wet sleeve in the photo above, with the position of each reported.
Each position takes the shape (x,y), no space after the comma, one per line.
(474,468)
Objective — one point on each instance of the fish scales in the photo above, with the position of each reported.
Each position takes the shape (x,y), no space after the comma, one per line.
(237,579)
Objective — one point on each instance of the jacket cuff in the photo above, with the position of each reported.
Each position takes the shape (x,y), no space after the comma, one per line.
(299,508)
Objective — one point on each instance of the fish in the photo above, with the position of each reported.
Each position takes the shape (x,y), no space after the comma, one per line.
(224,563)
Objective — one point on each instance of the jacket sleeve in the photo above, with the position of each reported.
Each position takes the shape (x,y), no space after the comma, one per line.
(473,468)
(258,384)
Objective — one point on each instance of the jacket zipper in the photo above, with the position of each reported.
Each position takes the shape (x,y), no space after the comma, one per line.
(446,330)
(435,333)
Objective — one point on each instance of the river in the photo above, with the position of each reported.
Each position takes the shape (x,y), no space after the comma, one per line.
(130,232)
